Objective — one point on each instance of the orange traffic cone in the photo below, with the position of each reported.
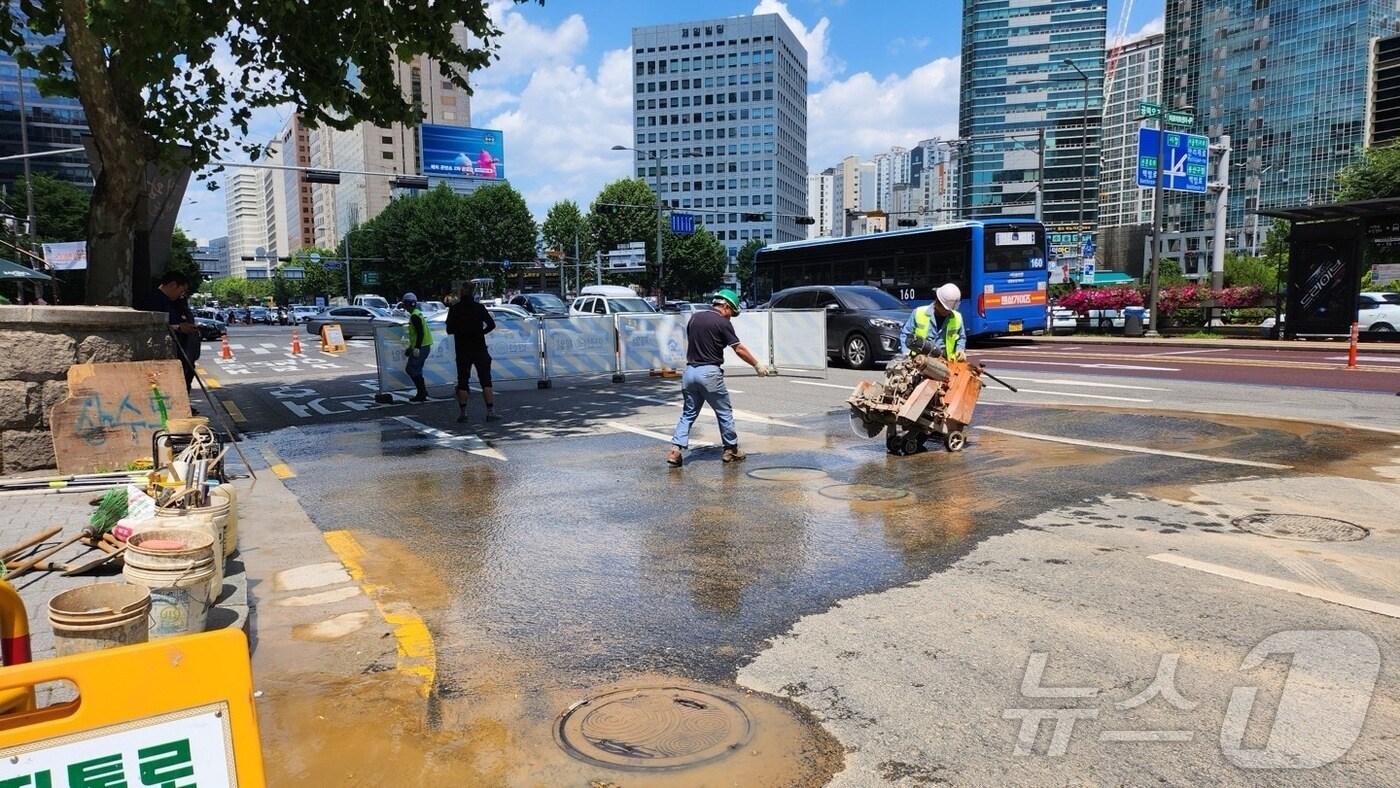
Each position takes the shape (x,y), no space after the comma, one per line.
(296,343)
(225,352)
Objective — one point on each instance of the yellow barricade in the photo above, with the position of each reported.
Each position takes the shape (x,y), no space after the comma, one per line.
(177,711)
(332,338)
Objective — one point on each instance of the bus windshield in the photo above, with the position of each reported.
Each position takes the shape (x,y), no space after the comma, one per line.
(1012,250)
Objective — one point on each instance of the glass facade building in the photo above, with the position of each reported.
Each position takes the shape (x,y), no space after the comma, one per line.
(1288,81)
(51,122)
(720,123)
(1015,83)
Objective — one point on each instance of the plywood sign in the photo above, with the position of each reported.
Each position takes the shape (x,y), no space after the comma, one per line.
(332,338)
(111,412)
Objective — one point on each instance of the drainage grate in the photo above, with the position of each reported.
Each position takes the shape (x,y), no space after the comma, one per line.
(863,492)
(788,473)
(1302,527)
(653,728)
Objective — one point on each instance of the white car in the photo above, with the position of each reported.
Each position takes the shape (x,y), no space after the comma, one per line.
(1375,313)
(1063,320)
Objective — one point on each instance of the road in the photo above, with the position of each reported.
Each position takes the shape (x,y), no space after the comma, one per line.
(876,619)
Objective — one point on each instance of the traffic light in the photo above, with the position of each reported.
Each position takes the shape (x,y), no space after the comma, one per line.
(751,217)
(907,223)
(409,182)
(805,220)
(320,176)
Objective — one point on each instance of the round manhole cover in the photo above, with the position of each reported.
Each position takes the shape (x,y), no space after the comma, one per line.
(788,473)
(863,492)
(1303,527)
(653,728)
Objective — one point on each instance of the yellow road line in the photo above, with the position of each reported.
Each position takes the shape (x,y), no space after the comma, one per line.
(283,471)
(211,382)
(416,656)
(235,412)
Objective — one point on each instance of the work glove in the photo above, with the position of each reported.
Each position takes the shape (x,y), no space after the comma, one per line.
(764,370)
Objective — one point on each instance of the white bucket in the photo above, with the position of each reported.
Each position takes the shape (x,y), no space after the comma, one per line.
(202,521)
(179,578)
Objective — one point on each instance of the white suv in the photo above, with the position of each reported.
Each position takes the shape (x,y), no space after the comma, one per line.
(1375,312)
(609,300)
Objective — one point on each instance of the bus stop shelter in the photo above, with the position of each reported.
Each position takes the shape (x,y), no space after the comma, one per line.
(1328,249)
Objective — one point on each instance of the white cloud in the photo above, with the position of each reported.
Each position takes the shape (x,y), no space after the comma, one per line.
(526,47)
(1153,27)
(864,115)
(901,43)
(561,130)
(821,65)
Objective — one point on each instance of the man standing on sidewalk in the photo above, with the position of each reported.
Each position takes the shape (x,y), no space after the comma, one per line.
(708,334)
(420,343)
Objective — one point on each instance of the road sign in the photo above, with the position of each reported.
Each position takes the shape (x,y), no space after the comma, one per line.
(505,265)
(1184,170)
(369,277)
(1149,109)
(331,265)
(683,223)
(1175,118)
(314,257)
(1385,273)
(1086,272)
(293,273)
(1087,250)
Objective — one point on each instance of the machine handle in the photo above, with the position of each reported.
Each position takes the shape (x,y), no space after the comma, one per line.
(982,367)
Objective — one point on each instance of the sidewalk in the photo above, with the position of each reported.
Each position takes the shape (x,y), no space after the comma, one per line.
(1392,348)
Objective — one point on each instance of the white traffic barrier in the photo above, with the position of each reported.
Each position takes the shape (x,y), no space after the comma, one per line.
(579,345)
(755,332)
(798,339)
(651,341)
(514,347)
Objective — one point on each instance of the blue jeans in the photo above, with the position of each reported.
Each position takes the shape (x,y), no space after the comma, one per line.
(700,385)
(416,360)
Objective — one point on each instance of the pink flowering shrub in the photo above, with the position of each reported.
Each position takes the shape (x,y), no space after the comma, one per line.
(1090,298)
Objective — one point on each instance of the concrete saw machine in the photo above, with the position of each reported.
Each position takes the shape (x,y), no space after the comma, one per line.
(922,396)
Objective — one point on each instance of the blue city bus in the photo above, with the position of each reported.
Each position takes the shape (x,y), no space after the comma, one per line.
(1000,265)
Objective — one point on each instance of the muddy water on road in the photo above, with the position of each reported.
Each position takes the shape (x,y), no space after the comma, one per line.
(584,565)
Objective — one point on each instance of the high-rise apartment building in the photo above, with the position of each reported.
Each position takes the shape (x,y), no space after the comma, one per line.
(1017,79)
(933,181)
(49,122)
(245,208)
(720,123)
(821,203)
(294,221)
(1288,81)
(891,169)
(1125,209)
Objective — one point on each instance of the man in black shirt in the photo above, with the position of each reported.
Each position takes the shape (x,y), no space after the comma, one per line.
(469,322)
(707,335)
(169,297)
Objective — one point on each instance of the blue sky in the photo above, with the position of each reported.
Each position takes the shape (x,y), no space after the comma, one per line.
(881,74)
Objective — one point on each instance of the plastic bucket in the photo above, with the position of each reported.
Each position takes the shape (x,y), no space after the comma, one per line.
(198,520)
(231,524)
(222,509)
(177,566)
(102,615)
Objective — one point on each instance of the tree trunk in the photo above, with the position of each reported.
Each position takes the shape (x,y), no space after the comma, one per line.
(111,237)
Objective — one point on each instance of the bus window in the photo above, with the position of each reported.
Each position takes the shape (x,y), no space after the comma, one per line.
(1012,250)
(817,273)
(880,272)
(847,272)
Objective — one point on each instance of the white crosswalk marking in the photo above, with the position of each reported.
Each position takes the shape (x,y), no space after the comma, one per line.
(261,351)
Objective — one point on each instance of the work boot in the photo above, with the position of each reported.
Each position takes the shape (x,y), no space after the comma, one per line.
(422,395)
(673,457)
(734,454)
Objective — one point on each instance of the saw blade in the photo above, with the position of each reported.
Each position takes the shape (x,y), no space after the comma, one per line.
(863,428)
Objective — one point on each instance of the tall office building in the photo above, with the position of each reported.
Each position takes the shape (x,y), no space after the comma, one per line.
(720,123)
(1383,102)
(50,122)
(1288,81)
(212,259)
(294,220)
(1015,82)
(1125,209)
(821,203)
(245,209)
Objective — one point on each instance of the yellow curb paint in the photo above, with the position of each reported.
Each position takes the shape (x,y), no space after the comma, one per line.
(283,471)
(235,412)
(416,656)
(212,383)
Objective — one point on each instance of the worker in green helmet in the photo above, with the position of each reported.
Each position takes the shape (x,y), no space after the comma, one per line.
(707,335)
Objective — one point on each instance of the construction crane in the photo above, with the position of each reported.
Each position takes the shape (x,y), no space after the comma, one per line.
(1116,48)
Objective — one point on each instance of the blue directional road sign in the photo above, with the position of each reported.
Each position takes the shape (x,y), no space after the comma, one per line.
(1087,250)
(683,223)
(505,265)
(1187,159)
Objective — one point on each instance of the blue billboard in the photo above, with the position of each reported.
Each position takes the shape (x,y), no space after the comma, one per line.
(456,152)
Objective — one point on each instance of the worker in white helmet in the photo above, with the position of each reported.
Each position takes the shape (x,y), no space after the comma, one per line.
(938,325)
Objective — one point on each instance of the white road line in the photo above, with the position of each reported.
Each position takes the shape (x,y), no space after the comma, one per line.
(1077,395)
(1066,382)
(268,344)
(470,444)
(261,351)
(1369,359)
(823,385)
(1302,589)
(1133,449)
(1084,366)
(236,347)
(741,415)
(1189,352)
(625,427)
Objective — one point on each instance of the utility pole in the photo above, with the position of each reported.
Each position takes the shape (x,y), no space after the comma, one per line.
(348,297)
(24,149)
(1156,227)
(1222,213)
(1039,177)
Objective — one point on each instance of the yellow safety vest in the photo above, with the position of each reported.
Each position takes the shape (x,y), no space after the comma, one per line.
(923,323)
(408,330)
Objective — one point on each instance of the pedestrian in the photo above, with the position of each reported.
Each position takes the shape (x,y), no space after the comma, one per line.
(419,340)
(468,322)
(708,333)
(938,325)
(171,297)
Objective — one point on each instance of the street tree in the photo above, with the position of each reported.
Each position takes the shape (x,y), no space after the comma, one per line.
(695,263)
(624,212)
(422,239)
(562,225)
(171,84)
(744,262)
(182,259)
(497,225)
(60,208)
(318,280)
(1242,270)
(1375,174)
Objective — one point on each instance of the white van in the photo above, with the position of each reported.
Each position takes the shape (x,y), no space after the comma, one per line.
(372,301)
(608,300)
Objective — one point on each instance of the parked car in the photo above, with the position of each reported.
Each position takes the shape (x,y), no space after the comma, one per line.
(301,312)
(683,307)
(609,300)
(259,314)
(1375,313)
(355,321)
(542,304)
(372,301)
(210,330)
(238,314)
(507,310)
(1387,296)
(862,322)
(1063,320)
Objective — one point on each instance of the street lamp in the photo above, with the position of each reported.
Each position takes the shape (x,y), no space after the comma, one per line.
(660,225)
(1083,149)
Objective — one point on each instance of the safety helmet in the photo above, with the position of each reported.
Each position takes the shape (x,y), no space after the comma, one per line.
(948,296)
(409,298)
(727,297)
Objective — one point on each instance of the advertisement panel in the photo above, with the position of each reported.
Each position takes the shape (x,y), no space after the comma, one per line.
(70,256)
(456,152)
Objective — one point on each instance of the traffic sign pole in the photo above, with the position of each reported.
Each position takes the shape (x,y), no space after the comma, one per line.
(1156,231)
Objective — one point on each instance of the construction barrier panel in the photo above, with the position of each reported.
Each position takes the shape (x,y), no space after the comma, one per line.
(514,348)
(798,339)
(176,711)
(652,342)
(755,332)
(579,345)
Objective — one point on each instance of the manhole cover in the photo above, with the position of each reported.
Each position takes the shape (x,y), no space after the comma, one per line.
(787,473)
(863,492)
(653,728)
(1303,527)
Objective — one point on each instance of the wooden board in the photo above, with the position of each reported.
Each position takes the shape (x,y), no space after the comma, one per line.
(332,338)
(111,413)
